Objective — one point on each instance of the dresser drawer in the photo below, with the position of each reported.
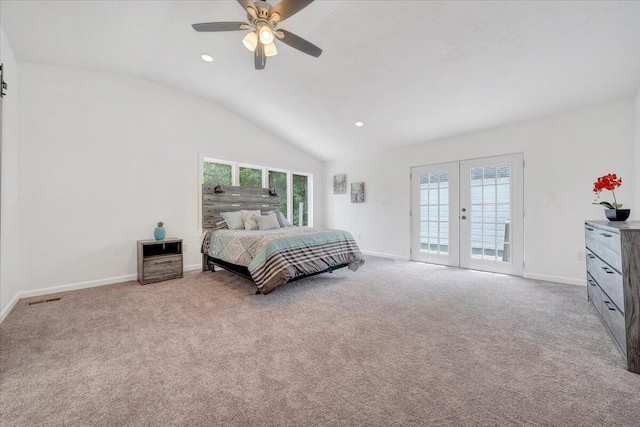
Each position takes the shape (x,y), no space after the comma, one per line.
(605,244)
(595,293)
(614,320)
(609,280)
(162,268)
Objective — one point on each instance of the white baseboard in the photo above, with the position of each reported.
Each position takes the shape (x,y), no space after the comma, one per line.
(557,279)
(9,307)
(383,255)
(75,286)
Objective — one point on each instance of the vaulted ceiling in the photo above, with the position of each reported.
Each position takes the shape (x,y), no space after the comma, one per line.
(413,71)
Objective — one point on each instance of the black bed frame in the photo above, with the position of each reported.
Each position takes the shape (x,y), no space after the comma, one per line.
(216,199)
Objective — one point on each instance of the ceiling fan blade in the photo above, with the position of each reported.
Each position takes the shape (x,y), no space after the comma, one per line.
(288,8)
(260,59)
(220,26)
(246,4)
(299,43)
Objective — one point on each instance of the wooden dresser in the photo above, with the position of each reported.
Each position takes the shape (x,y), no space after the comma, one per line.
(159,260)
(613,282)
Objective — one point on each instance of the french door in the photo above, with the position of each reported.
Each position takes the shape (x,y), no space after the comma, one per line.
(469,214)
(434,213)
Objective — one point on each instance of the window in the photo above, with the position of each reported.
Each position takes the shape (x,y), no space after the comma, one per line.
(217,173)
(300,200)
(295,188)
(278,180)
(250,177)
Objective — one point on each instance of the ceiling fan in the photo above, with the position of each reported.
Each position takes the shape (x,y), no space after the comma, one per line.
(263,22)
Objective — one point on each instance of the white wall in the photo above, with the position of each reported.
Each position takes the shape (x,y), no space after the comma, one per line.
(9,235)
(564,154)
(104,157)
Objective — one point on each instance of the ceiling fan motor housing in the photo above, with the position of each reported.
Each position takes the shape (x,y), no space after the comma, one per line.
(263,12)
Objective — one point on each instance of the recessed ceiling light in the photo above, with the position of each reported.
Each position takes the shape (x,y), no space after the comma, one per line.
(206,58)
(359,124)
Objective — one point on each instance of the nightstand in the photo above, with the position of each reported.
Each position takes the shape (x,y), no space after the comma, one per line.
(159,260)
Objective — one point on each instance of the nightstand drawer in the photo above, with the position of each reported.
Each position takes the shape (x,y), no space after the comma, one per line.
(605,244)
(162,268)
(609,280)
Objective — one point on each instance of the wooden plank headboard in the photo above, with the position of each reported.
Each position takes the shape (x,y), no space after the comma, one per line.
(234,199)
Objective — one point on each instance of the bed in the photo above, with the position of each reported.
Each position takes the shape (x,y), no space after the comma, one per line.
(269,258)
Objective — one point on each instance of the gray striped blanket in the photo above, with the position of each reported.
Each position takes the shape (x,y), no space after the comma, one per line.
(274,257)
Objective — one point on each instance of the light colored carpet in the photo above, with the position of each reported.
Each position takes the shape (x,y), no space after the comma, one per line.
(395,343)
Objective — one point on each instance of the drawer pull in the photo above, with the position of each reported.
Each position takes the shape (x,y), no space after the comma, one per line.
(589,228)
(605,235)
(591,256)
(592,283)
(607,270)
(170,261)
(608,306)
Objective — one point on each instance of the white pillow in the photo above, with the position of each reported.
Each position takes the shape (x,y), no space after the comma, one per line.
(233,219)
(283,220)
(249,218)
(268,222)
(276,214)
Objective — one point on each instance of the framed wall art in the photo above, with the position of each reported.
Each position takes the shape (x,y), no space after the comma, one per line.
(357,192)
(340,183)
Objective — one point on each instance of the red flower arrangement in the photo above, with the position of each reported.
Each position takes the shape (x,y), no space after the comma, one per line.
(608,182)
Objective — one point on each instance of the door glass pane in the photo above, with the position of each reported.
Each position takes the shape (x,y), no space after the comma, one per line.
(476,194)
(216,174)
(490,212)
(278,180)
(502,191)
(300,200)
(250,177)
(434,212)
(476,176)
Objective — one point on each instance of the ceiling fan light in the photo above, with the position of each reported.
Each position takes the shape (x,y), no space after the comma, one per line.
(250,41)
(270,49)
(266,35)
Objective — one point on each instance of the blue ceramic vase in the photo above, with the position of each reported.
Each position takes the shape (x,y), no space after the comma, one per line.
(159,233)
